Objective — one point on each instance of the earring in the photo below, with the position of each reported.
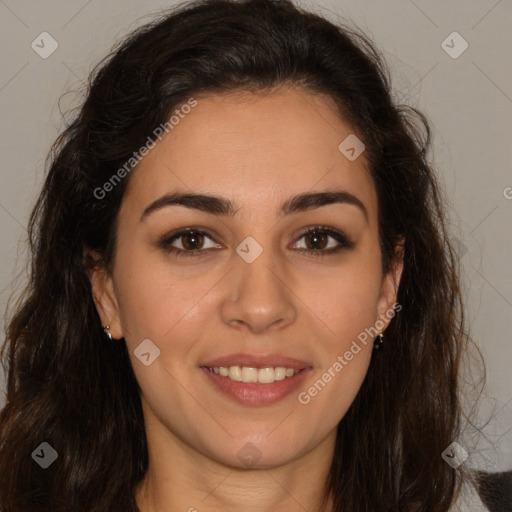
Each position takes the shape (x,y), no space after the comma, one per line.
(106,328)
(378,341)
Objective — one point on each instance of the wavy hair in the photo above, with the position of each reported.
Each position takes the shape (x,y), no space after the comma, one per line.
(67,387)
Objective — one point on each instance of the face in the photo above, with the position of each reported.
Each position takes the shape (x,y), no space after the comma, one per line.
(253,287)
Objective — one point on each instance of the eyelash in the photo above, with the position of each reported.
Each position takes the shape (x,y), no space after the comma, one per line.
(341,238)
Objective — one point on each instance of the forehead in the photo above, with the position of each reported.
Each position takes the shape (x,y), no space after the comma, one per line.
(255,149)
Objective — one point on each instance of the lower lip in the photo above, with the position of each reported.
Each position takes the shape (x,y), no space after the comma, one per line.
(257,394)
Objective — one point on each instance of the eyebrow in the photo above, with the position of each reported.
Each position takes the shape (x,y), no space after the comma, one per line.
(222,206)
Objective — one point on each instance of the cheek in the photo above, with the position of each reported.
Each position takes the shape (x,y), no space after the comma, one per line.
(334,387)
(153,299)
(346,383)
(345,301)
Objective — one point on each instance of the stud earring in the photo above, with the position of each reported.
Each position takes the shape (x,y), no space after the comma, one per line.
(106,328)
(378,341)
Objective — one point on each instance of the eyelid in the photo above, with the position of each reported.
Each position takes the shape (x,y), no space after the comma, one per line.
(166,241)
(344,242)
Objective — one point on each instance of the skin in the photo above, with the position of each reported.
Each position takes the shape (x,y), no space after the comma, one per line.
(257,150)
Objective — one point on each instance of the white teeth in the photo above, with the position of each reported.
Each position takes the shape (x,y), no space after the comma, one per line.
(251,375)
(266,375)
(280,373)
(235,373)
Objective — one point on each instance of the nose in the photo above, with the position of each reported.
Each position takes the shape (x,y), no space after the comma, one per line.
(258,296)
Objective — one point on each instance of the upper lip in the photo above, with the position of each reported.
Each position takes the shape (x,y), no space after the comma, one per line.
(256,361)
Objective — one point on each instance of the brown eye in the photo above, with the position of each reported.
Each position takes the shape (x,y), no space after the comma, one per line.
(316,240)
(192,240)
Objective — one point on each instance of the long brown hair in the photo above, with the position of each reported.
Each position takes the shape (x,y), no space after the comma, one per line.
(69,388)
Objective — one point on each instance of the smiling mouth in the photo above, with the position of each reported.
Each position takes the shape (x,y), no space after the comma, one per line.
(247,374)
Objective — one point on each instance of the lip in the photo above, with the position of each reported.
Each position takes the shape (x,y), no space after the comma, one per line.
(257,361)
(256,394)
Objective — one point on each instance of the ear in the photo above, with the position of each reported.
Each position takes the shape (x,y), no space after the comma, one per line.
(104,296)
(389,287)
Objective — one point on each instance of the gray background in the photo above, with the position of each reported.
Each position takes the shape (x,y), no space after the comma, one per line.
(468,101)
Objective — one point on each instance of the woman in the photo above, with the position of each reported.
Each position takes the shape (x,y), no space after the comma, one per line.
(242,294)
